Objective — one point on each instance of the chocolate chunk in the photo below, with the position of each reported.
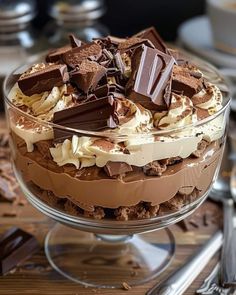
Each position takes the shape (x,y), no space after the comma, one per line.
(88,75)
(55,55)
(94,115)
(202,145)
(123,111)
(151,72)
(75,42)
(133,42)
(154,168)
(16,246)
(44,79)
(117,168)
(183,81)
(76,55)
(152,35)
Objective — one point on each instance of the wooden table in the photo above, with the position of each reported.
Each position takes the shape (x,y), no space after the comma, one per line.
(35,276)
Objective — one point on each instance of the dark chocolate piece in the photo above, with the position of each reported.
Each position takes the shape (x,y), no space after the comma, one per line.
(44,79)
(117,168)
(186,81)
(76,55)
(151,73)
(88,75)
(94,115)
(152,35)
(75,42)
(16,246)
(55,55)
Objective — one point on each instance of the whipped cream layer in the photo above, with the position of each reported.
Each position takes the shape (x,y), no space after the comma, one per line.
(140,147)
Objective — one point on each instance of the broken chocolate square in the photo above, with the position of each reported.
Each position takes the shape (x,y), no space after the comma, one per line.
(186,81)
(151,73)
(88,75)
(44,79)
(76,55)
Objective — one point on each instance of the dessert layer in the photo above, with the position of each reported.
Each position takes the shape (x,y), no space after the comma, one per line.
(90,187)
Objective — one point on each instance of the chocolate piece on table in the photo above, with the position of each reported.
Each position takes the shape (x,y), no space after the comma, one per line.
(117,168)
(88,75)
(185,81)
(55,55)
(75,42)
(44,79)
(7,193)
(94,115)
(151,73)
(152,35)
(76,55)
(16,246)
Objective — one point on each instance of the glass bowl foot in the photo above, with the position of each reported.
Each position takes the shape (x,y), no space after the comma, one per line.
(108,261)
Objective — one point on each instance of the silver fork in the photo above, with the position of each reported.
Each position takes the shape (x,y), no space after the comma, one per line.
(211,284)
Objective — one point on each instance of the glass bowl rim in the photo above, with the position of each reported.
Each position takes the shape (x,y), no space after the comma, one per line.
(112,133)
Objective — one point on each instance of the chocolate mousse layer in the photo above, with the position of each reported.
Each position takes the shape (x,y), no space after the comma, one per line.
(92,188)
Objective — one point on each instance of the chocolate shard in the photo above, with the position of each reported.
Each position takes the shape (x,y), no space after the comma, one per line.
(94,115)
(88,75)
(16,246)
(44,79)
(186,81)
(117,168)
(151,73)
(76,55)
(75,42)
(152,35)
(55,55)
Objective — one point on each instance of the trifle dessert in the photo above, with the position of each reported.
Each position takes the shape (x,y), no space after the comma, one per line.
(116,128)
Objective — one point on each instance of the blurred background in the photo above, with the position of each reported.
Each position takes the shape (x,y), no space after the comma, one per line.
(126,17)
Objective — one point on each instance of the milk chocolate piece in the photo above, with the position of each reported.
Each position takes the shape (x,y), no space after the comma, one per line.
(55,55)
(133,42)
(151,72)
(88,75)
(117,168)
(186,81)
(94,115)
(152,35)
(16,246)
(44,79)
(76,55)
(75,42)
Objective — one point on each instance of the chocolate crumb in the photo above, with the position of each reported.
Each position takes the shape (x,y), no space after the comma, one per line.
(126,286)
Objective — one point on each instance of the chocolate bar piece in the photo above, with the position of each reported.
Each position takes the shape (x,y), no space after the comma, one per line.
(152,35)
(117,168)
(16,246)
(75,42)
(186,81)
(88,75)
(44,79)
(151,73)
(76,55)
(94,115)
(55,55)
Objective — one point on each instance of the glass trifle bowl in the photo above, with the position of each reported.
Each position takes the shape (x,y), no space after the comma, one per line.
(109,188)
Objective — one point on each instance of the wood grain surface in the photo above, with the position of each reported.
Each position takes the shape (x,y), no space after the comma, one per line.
(35,276)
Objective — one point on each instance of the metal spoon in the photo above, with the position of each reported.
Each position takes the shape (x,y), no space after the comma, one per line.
(221,192)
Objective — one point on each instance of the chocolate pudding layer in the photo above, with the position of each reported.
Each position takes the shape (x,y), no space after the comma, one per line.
(116,128)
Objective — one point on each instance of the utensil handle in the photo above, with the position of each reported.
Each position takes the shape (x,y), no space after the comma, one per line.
(181,279)
(228,255)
